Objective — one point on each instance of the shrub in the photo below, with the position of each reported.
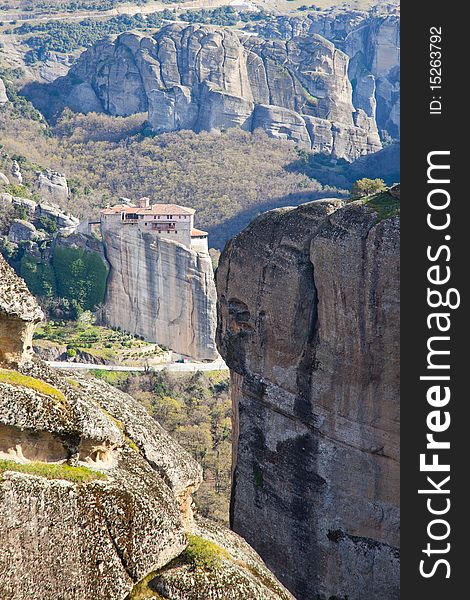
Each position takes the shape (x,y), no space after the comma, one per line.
(47,224)
(39,276)
(366,187)
(204,554)
(81,277)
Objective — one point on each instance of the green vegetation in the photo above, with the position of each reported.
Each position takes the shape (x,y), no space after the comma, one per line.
(100,342)
(80,276)
(63,36)
(19,107)
(17,379)
(195,409)
(142,590)
(73,281)
(52,471)
(204,554)
(39,276)
(366,187)
(67,36)
(384,204)
(71,6)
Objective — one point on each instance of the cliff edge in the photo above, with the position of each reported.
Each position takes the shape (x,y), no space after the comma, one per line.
(309,326)
(161,290)
(95,497)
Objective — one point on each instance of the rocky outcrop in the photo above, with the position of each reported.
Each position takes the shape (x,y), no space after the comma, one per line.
(19,313)
(372,41)
(16,174)
(205,78)
(52,186)
(160,290)
(3,93)
(308,324)
(95,497)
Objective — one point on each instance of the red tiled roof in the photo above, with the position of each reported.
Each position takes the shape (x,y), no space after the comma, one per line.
(155,209)
(198,232)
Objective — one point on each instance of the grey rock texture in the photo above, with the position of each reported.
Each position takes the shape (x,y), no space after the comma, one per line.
(3,93)
(52,186)
(4,179)
(19,313)
(161,290)
(129,518)
(21,231)
(16,173)
(308,323)
(207,78)
(372,41)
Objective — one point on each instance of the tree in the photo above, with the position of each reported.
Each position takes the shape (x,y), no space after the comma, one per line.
(81,277)
(367,187)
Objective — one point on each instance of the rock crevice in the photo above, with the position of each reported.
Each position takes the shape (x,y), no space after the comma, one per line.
(308,324)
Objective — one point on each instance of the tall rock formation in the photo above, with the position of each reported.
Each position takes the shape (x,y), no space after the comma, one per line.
(208,78)
(309,326)
(161,290)
(19,314)
(372,43)
(96,498)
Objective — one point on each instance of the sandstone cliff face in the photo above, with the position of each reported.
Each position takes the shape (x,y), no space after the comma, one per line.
(95,497)
(308,324)
(161,290)
(373,46)
(19,314)
(206,78)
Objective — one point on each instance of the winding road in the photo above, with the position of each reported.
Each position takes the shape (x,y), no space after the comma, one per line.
(216,365)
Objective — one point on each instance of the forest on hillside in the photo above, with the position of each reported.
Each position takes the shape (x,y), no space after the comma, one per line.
(228,178)
(195,409)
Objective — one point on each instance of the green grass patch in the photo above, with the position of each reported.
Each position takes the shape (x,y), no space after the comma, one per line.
(25,381)
(384,204)
(52,471)
(142,590)
(204,554)
(111,377)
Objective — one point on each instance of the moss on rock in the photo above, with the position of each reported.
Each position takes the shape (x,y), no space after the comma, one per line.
(52,471)
(18,379)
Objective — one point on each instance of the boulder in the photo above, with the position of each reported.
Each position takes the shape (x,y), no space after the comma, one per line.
(3,93)
(19,314)
(16,173)
(52,186)
(22,231)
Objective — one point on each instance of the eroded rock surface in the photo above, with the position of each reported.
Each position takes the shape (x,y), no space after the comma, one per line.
(161,290)
(95,496)
(372,42)
(208,78)
(19,313)
(309,326)
(52,186)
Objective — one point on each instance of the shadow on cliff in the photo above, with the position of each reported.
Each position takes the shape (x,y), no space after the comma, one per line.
(384,164)
(220,234)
